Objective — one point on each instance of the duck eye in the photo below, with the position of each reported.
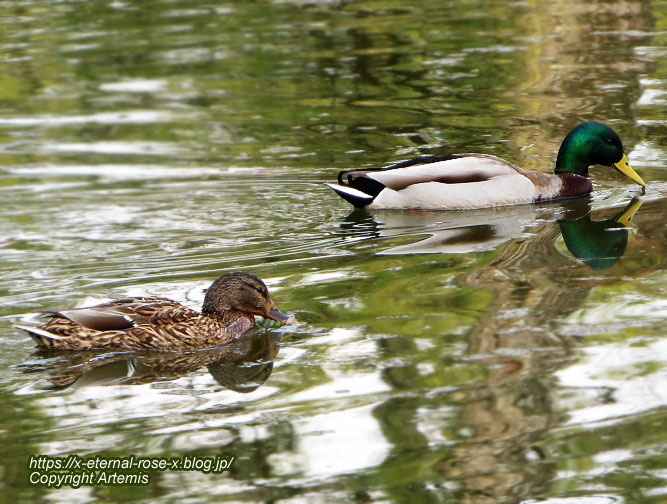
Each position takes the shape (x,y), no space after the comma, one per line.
(259,289)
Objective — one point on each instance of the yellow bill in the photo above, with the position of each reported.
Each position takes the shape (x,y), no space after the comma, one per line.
(627,170)
(629,212)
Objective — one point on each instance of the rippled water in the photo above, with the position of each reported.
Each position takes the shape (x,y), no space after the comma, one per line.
(509,355)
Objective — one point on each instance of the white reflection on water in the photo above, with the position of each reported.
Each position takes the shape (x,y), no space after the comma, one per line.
(134,86)
(632,374)
(109,147)
(625,310)
(125,117)
(590,499)
(652,97)
(431,422)
(646,153)
(111,172)
(343,386)
(334,443)
(459,232)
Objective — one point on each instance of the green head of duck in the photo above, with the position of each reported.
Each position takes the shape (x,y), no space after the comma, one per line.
(593,143)
(599,244)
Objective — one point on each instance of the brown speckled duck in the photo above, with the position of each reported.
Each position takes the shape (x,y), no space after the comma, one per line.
(154,323)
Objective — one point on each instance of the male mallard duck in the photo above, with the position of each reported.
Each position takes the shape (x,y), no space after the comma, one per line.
(466,181)
(154,323)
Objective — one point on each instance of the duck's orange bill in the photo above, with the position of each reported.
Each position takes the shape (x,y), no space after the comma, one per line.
(279,316)
(627,170)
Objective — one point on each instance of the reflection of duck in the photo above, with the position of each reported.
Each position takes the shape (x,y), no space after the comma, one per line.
(600,244)
(459,233)
(242,365)
(465,181)
(154,323)
(450,232)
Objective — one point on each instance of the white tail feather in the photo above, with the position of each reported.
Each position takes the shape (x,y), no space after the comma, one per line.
(351,191)
(38,332)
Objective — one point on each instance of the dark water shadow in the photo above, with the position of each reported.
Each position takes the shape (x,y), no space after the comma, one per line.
(241,366)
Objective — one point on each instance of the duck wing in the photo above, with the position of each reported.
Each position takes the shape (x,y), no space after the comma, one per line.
(351,175)
(123,314)
(461,169)
(360,187)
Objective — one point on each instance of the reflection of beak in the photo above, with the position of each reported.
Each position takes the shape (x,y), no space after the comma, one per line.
(627,170)
(275,314)
(629,212)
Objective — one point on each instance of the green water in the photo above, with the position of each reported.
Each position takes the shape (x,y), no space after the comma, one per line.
(499,356)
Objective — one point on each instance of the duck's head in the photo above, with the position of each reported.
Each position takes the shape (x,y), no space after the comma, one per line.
(244,292)
(593,143)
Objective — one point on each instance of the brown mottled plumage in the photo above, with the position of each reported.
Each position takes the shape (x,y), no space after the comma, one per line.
(154,323)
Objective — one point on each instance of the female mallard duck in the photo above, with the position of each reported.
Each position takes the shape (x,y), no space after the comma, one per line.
(154,323)
(466,181)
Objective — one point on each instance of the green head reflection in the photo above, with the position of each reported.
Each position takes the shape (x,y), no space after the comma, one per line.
(599,244)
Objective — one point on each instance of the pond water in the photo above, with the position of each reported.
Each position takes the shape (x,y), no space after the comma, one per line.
(509,355)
